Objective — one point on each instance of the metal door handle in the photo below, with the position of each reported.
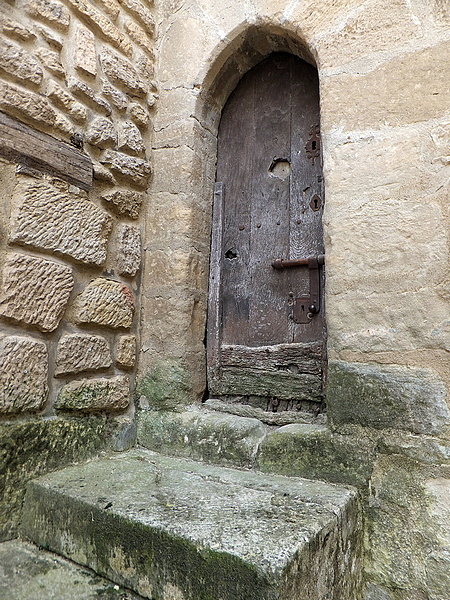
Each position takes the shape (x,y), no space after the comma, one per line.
(285,263)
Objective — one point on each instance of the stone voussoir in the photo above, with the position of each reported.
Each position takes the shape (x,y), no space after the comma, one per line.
(243,535)
(94,395)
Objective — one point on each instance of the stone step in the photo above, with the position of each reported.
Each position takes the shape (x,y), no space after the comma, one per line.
(174,529)
(30,573)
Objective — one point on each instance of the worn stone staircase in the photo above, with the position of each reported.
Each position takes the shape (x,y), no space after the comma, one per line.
(176,529)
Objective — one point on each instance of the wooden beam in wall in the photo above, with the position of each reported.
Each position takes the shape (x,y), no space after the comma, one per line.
(25,145)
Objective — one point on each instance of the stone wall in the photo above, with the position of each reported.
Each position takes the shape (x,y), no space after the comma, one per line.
(385,114)
(78,74)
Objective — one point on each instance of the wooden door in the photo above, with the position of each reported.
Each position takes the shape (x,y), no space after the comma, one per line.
(266,333)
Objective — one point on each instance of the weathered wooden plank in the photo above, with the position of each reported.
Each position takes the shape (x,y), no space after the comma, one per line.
(214,324)
(23,144)
(269,308)
(284,417)
(285,386)
(294,358)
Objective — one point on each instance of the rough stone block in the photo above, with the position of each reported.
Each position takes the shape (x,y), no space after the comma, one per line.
(101,133)
(103,25)
(131,168)
(17,30)
(105,302)
(79,352)
(140,36)
(213,437)
(129,250)
(122,72)
(130,138)
(49,11)
(140,11)
(51,37)
(23,374)
(47,218)
(36,291)
(87,94)
(51,61)
(85,51)
(18,63)
(301,450)
(139,115)
(387,397)
(22,103)
(94,395)
(117,98)
(65,101)
(126,351)
(198,532)
(125,202)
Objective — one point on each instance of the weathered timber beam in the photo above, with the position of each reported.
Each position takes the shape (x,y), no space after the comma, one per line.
(23,144)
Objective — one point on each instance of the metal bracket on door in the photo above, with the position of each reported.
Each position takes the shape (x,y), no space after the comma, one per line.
(305,307)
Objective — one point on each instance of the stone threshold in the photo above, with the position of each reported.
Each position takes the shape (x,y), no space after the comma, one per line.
(174,529)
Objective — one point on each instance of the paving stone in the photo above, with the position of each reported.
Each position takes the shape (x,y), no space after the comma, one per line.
(85,51)
(47,218)
(30,573)
(78,352)
(94,395)
(136,170)
(188,531)
(49,11)
(22,103)
(23,376)
(126,351)
(105,302)
(128,250)
(35,291)
(122,72)
(125,202)
(20,64)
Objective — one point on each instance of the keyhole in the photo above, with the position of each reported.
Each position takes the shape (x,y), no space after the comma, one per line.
(316,203)
(314,145)
(231,254)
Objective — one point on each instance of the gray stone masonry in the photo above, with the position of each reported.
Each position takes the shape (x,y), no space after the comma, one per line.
(172,529)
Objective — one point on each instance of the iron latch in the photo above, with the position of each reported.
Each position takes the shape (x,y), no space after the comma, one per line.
(305,307)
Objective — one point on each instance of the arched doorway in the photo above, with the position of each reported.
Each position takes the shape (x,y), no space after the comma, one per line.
(266,326)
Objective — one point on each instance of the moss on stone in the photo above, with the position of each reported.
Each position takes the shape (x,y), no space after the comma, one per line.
(34,447)
(165,386)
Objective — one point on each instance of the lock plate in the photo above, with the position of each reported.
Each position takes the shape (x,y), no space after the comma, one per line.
(301,310)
